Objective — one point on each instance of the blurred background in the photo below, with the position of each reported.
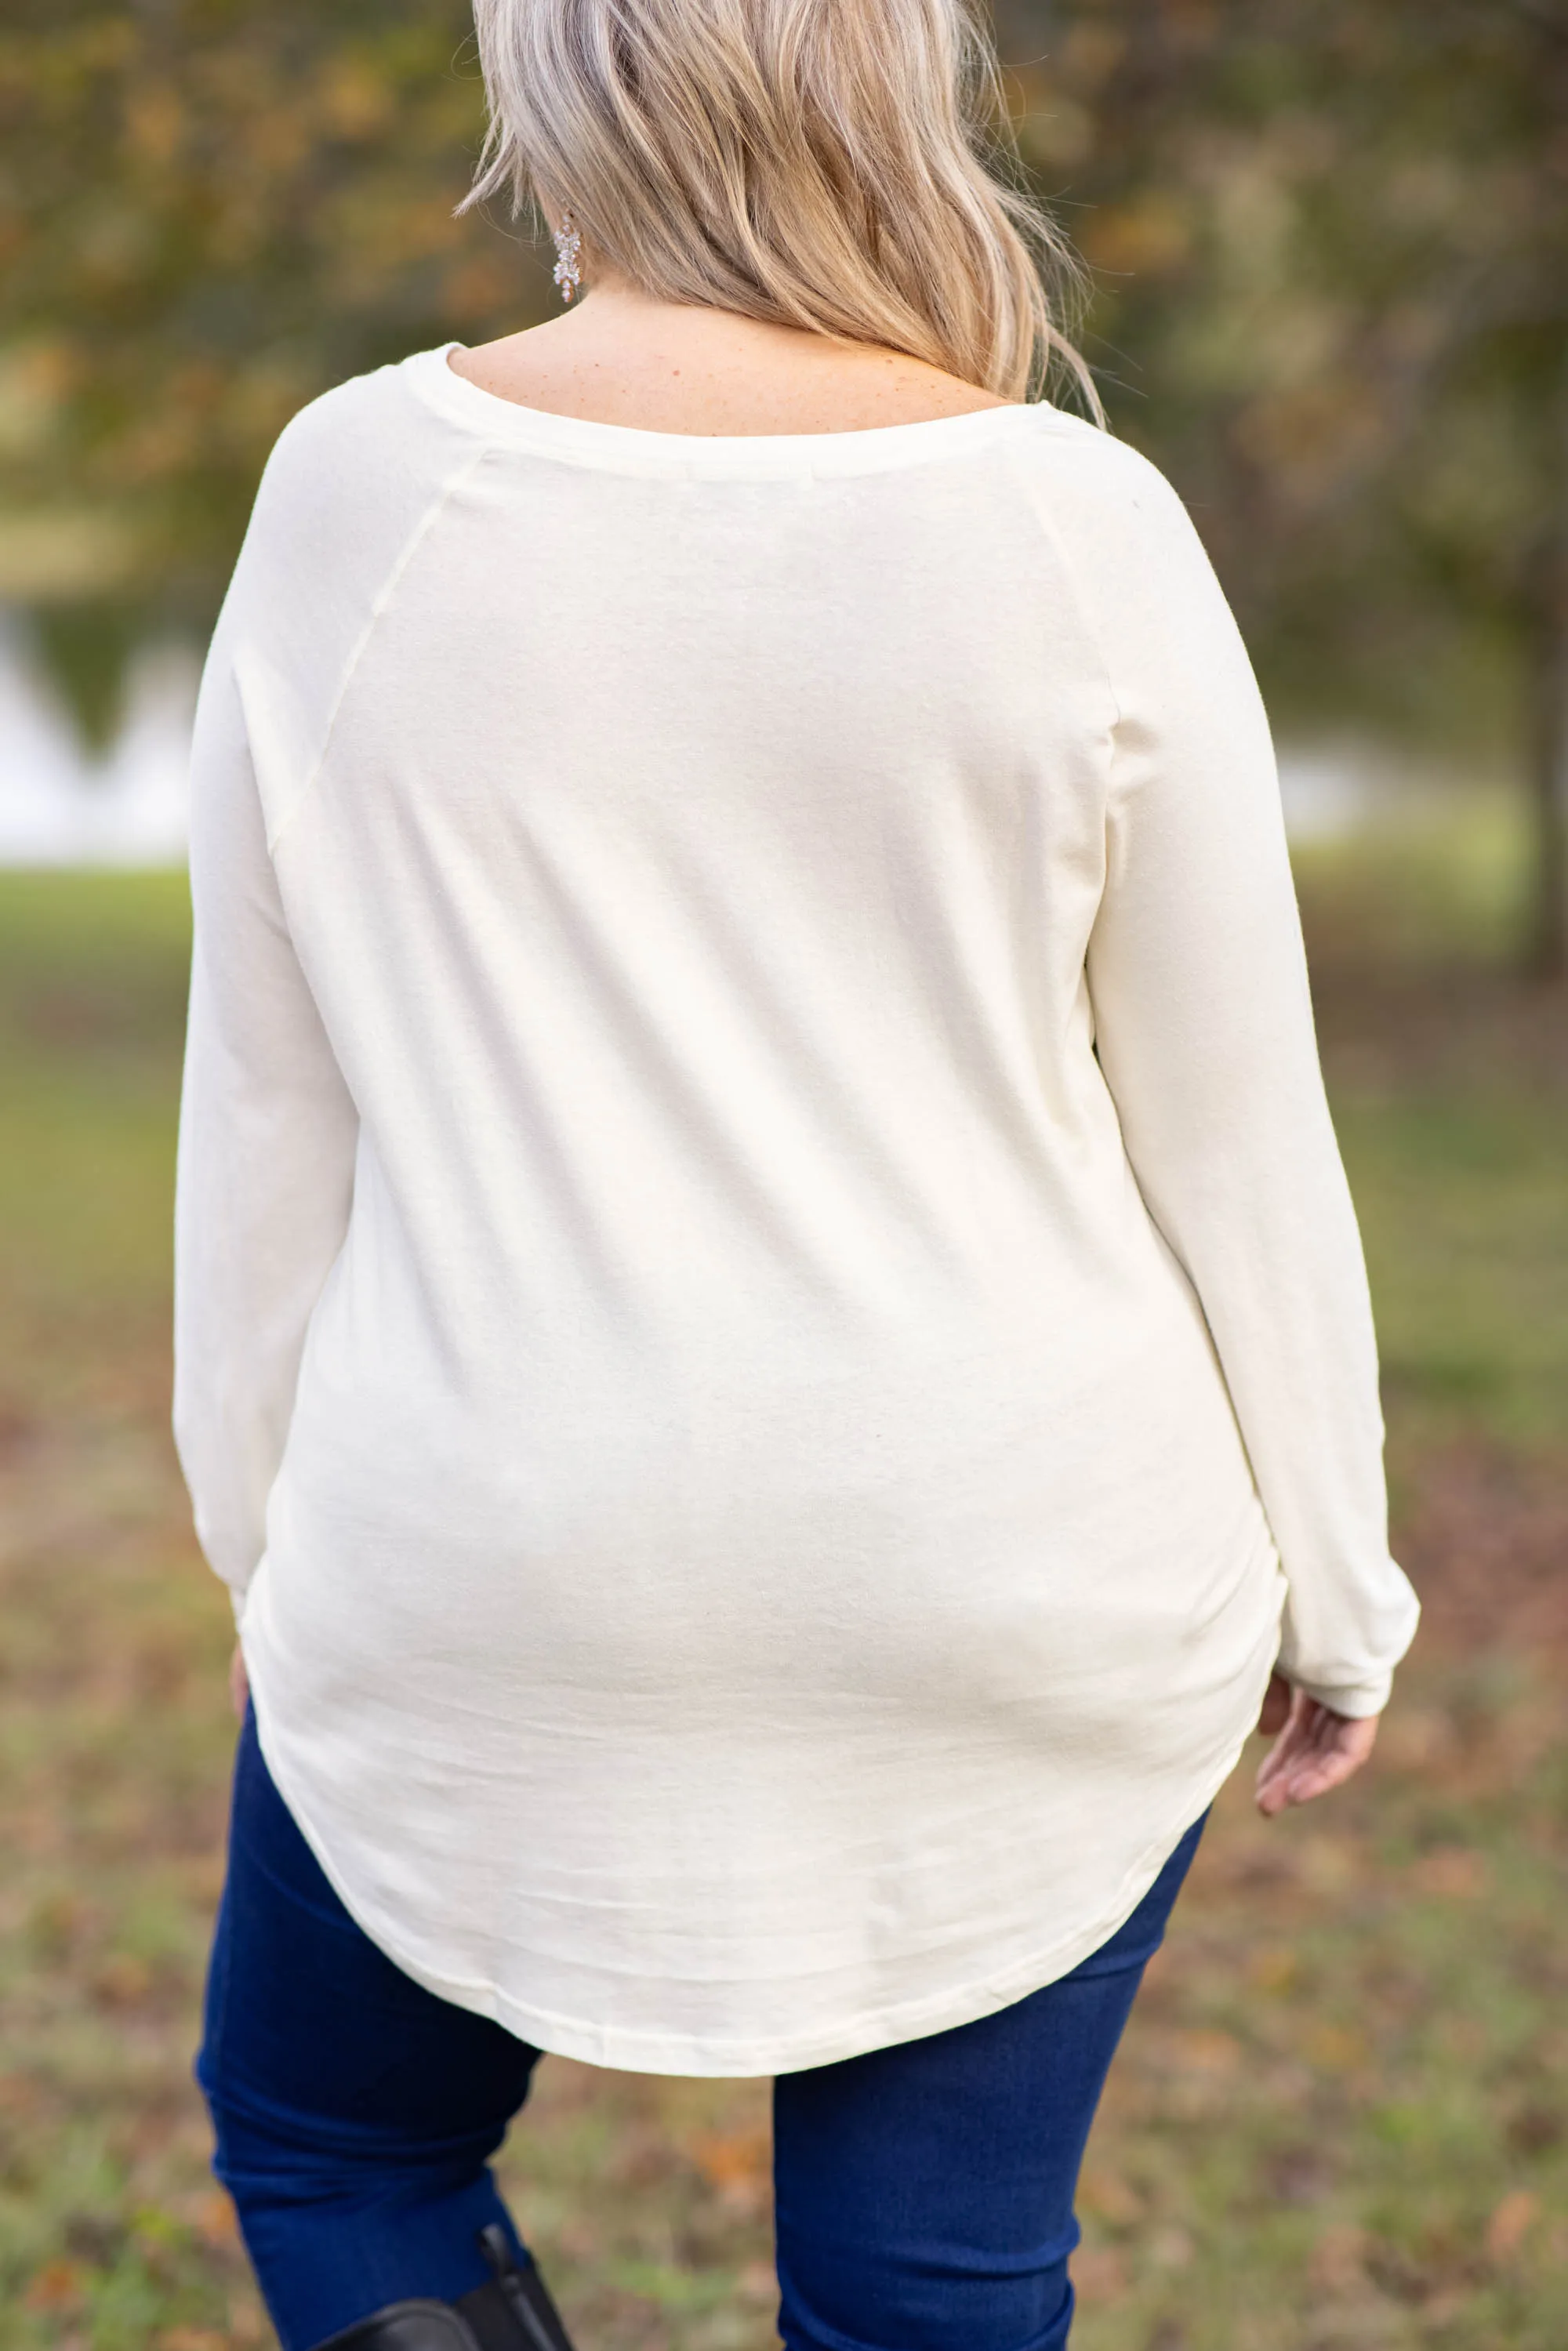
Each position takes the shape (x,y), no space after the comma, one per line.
(1328,245)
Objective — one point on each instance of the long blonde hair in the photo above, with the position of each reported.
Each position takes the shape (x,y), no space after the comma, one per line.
(840,165)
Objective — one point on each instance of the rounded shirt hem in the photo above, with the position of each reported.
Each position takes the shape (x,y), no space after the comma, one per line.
(619,2050)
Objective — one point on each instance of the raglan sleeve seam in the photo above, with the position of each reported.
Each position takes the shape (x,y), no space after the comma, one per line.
(427,521)
(1093,629)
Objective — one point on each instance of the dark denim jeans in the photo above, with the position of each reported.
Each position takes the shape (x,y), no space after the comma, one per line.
(924,2191)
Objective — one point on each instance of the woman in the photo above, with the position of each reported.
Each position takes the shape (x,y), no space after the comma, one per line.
(770,1334)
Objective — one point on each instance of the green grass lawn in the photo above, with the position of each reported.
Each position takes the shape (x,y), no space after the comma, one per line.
(1341,2118)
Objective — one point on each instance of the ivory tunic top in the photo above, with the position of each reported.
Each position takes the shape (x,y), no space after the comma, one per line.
(770,1332)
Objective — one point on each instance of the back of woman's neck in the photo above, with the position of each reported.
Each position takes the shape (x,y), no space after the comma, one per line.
(618,357)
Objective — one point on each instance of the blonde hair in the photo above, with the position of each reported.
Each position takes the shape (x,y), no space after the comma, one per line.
(840,165)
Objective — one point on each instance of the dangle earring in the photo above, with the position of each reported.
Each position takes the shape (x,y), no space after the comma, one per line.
(567,246)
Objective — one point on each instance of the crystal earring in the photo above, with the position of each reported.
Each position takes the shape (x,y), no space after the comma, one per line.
(567,246)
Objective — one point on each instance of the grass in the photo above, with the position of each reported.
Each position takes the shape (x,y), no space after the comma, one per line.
(1341,2117)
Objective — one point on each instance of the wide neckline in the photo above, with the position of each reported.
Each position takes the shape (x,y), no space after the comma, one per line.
(639,449)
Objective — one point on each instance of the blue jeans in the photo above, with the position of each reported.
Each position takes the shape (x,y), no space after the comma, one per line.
(924,2192)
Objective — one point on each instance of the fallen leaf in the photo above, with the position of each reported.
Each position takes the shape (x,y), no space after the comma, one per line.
(122,1981)
(1099,2273)
(215,2218)
(58,2286)
(1274,1971)
(1206,2050)
(738,2164)
(1451,1869)
(1335,2050)
(1507,2227)
(1339,2258)
(1107,2195)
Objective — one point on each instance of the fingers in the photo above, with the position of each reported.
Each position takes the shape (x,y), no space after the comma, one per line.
(1317,1775)
(1316,1751)
(239,1682)
(1278,1771)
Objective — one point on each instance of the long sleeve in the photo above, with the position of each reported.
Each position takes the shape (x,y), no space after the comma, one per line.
(268,1133)
(749,1551)
(1205,1033)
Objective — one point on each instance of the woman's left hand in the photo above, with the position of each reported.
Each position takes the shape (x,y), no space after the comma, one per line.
(1316,1749)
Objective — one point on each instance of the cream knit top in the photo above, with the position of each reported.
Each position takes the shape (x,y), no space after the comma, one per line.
(770,1334)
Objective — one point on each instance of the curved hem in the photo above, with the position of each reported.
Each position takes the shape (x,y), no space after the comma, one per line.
(633,2051)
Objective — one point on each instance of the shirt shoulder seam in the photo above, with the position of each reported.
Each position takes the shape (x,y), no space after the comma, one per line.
(428,518)
(1051,533)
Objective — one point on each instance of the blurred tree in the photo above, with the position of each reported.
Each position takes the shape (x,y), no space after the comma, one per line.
(1330,242)
(209,211)
(1335,236)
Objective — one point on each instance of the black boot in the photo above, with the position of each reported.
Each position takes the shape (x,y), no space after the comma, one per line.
(513,2312)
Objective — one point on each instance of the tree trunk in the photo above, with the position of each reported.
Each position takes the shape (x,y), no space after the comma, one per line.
(1547,946)
(1547,953)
